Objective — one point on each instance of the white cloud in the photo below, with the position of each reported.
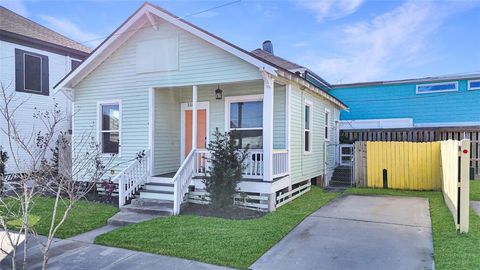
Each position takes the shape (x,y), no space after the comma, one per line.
(71,30)
(368,50)
(16,6)
(331,9)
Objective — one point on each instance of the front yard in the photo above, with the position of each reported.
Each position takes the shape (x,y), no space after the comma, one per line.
(475,190)
(233,243)
(452,250)
(85,216)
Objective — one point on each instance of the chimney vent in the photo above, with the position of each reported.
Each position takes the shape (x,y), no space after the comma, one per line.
(267,46)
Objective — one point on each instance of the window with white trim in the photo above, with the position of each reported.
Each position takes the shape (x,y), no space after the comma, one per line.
(474,85)
(307,127)
(246,123)
(327,125)
(109,127)
(437,87)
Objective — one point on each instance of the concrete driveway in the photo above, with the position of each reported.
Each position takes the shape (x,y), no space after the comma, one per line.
(358,232)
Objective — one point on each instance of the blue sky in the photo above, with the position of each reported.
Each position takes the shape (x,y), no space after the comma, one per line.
(342,40)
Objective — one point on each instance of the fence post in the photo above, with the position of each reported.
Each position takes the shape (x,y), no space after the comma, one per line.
(464,185)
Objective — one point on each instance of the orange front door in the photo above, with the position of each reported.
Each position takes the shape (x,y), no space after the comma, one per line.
(201,130)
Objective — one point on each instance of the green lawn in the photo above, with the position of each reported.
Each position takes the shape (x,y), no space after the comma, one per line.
(84,217)
(234,243)
(475,190)
(452,250)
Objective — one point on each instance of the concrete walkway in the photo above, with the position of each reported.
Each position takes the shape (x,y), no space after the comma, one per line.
(358,232)
(476,206)
(81,255)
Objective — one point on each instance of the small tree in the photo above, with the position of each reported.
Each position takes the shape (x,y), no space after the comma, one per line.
(225,170)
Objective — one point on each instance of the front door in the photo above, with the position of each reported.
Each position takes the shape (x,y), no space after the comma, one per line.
(201,130)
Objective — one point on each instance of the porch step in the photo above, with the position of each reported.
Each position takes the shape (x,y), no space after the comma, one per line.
(158,211)
(124,218)
(140,210)
(160,180)
(151,203)
(341,178)
(159,186)
(156,194)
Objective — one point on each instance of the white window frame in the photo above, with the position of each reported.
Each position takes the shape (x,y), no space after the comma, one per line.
(236,99)
(99,125)
(437,91)
(308,103)
(327,125)
(472,88)
(25,73)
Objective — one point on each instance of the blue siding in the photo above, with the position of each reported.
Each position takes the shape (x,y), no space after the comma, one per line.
(401,101)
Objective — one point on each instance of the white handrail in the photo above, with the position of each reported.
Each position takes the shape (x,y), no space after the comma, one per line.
(132,178)
(181,180)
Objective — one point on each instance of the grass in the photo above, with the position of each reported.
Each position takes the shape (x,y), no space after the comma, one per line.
(475,190)
(451,249)
(233,243)
(85,216)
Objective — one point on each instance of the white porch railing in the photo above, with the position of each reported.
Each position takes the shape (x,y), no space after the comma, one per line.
(253,163)
(132,178)
(280,163)
(182,180)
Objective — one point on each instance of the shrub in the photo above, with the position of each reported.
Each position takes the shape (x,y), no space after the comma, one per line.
(225,170)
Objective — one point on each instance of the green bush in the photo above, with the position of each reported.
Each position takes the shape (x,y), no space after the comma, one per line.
(227,165)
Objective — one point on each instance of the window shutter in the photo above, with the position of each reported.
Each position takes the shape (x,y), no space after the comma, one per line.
(45,77)
(19,87)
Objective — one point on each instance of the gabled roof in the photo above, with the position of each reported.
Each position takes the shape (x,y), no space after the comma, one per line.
(11,22)
(290,66)
(283,63)
(129,27)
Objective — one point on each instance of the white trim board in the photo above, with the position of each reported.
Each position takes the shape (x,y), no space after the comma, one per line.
(232,99)
(377,123)
(472,88)
(99,121)
(436,91)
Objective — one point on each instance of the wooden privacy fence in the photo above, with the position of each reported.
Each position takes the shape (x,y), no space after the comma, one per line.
(418,166)
(422,135)
(403,165)
(455,180)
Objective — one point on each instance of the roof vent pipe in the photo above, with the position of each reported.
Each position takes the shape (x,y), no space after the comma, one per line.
(267,46)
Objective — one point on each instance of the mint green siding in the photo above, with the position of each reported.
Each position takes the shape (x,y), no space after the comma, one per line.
(116,78)
(304,165)
(279,117)
(167,131)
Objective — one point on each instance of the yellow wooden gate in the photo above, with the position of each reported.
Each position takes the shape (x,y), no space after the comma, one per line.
(404,165)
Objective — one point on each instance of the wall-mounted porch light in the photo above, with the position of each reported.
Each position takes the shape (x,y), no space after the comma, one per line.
(218,93)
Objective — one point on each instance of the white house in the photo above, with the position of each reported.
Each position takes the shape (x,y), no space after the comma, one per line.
(163,85)
(33,59)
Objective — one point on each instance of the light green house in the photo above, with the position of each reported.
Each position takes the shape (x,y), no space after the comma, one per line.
(138,90)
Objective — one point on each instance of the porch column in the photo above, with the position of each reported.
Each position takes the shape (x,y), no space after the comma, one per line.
(267,126)
(151,129)
(194,118)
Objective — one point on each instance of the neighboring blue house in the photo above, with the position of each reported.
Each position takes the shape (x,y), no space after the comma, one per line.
(426,102)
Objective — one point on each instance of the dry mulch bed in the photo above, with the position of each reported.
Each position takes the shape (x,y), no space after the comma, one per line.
(231,213)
